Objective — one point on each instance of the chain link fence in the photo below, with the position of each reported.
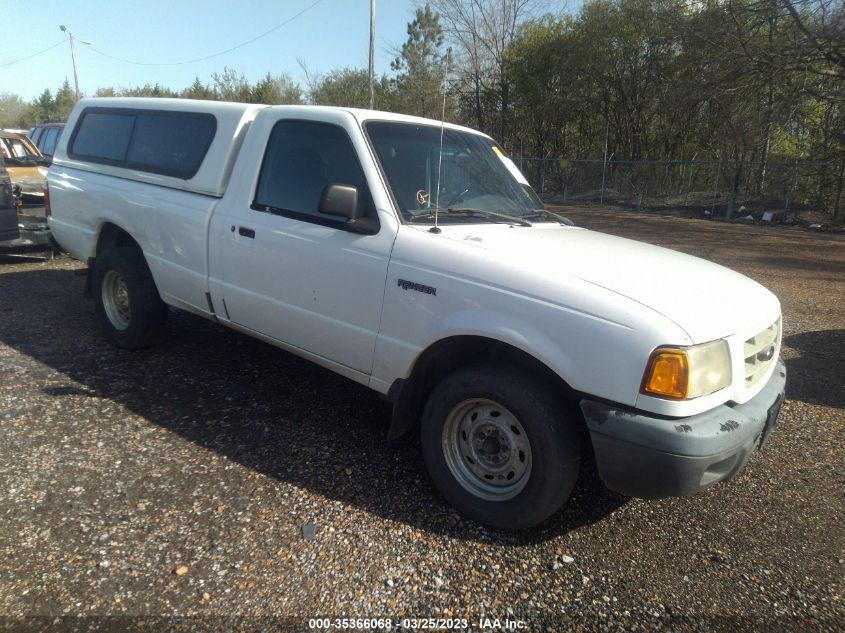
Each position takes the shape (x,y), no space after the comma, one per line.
(792,191)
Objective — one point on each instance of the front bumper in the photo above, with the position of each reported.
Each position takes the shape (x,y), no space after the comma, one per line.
(644,456)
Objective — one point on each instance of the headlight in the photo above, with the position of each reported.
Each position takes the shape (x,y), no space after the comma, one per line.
(689,372)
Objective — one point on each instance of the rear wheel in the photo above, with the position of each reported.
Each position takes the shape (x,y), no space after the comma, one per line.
(499,446)
(126,300)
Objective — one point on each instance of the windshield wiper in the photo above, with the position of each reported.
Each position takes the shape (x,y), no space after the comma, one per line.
(548,215)
(510,219)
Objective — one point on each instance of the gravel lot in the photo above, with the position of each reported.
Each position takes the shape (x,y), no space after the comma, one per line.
(217,483)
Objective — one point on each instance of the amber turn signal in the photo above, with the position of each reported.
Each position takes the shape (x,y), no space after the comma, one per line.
(667,374)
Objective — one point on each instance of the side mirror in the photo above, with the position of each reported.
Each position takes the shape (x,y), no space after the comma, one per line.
(340,200)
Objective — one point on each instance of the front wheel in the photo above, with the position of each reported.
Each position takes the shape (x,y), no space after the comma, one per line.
(499,446)
(126,300)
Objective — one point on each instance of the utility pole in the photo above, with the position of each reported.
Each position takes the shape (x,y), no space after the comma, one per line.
(64,29)
(372,49)
(73,59)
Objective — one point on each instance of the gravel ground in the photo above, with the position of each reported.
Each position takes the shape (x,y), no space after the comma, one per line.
(216,483)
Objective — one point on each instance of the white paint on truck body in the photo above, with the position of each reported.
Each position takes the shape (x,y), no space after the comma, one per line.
(590,306)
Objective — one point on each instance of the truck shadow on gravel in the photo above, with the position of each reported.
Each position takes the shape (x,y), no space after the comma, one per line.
(816,375)
(261,407)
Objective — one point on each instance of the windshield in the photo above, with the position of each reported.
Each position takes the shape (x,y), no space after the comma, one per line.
(18,151)
(474,173)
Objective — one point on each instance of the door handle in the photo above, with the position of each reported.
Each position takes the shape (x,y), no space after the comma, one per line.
(250,233)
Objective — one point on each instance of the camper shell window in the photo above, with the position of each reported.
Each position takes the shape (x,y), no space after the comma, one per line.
(160,142)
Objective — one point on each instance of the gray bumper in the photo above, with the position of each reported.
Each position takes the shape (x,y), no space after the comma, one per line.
(643,456)
(33,233)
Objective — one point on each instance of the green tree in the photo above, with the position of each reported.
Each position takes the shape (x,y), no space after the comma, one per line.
(793,53)
(65,100)
(43,107)
(629,49)
(147,90)
(230,85)
(544,107)
(349,87)
(276,91)
(481,32)
(198,90)
(14,111)
(421,67)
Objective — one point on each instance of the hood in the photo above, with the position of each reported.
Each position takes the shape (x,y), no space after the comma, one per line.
(706,300)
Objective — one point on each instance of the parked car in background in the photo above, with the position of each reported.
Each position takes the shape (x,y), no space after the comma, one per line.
(27,169)
(9,229)
(26,165)
(45,136)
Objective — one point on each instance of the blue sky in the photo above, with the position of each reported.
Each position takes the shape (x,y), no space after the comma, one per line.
(332,34)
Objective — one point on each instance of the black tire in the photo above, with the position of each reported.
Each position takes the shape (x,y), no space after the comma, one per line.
(140,319)
(511,495)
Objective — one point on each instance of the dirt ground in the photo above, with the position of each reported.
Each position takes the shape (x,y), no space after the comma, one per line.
(216,483)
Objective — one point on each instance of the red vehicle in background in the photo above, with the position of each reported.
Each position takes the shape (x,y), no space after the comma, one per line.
(45,136)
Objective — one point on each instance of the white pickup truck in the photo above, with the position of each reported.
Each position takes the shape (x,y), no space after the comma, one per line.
(412,256)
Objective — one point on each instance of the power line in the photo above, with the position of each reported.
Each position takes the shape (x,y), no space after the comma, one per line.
(202,59)
(23,59)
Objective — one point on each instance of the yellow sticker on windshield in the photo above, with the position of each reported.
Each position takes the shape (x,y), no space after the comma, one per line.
(497,151)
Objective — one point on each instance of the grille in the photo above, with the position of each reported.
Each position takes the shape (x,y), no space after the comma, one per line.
(760,352)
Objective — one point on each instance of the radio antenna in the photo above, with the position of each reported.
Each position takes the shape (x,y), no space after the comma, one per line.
(436,228)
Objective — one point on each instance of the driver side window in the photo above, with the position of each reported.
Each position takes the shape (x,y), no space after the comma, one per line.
(301,160)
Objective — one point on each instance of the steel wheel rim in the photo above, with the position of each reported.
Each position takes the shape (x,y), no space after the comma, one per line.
(487,449)
(116,304)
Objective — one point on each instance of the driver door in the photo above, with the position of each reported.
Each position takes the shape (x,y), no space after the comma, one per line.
(294,274)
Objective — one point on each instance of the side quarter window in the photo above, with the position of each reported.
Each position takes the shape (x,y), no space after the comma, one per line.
(48,140)
(302,159)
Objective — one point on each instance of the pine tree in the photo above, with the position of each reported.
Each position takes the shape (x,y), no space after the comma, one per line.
(64,101)
(421,67)
(198,90)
